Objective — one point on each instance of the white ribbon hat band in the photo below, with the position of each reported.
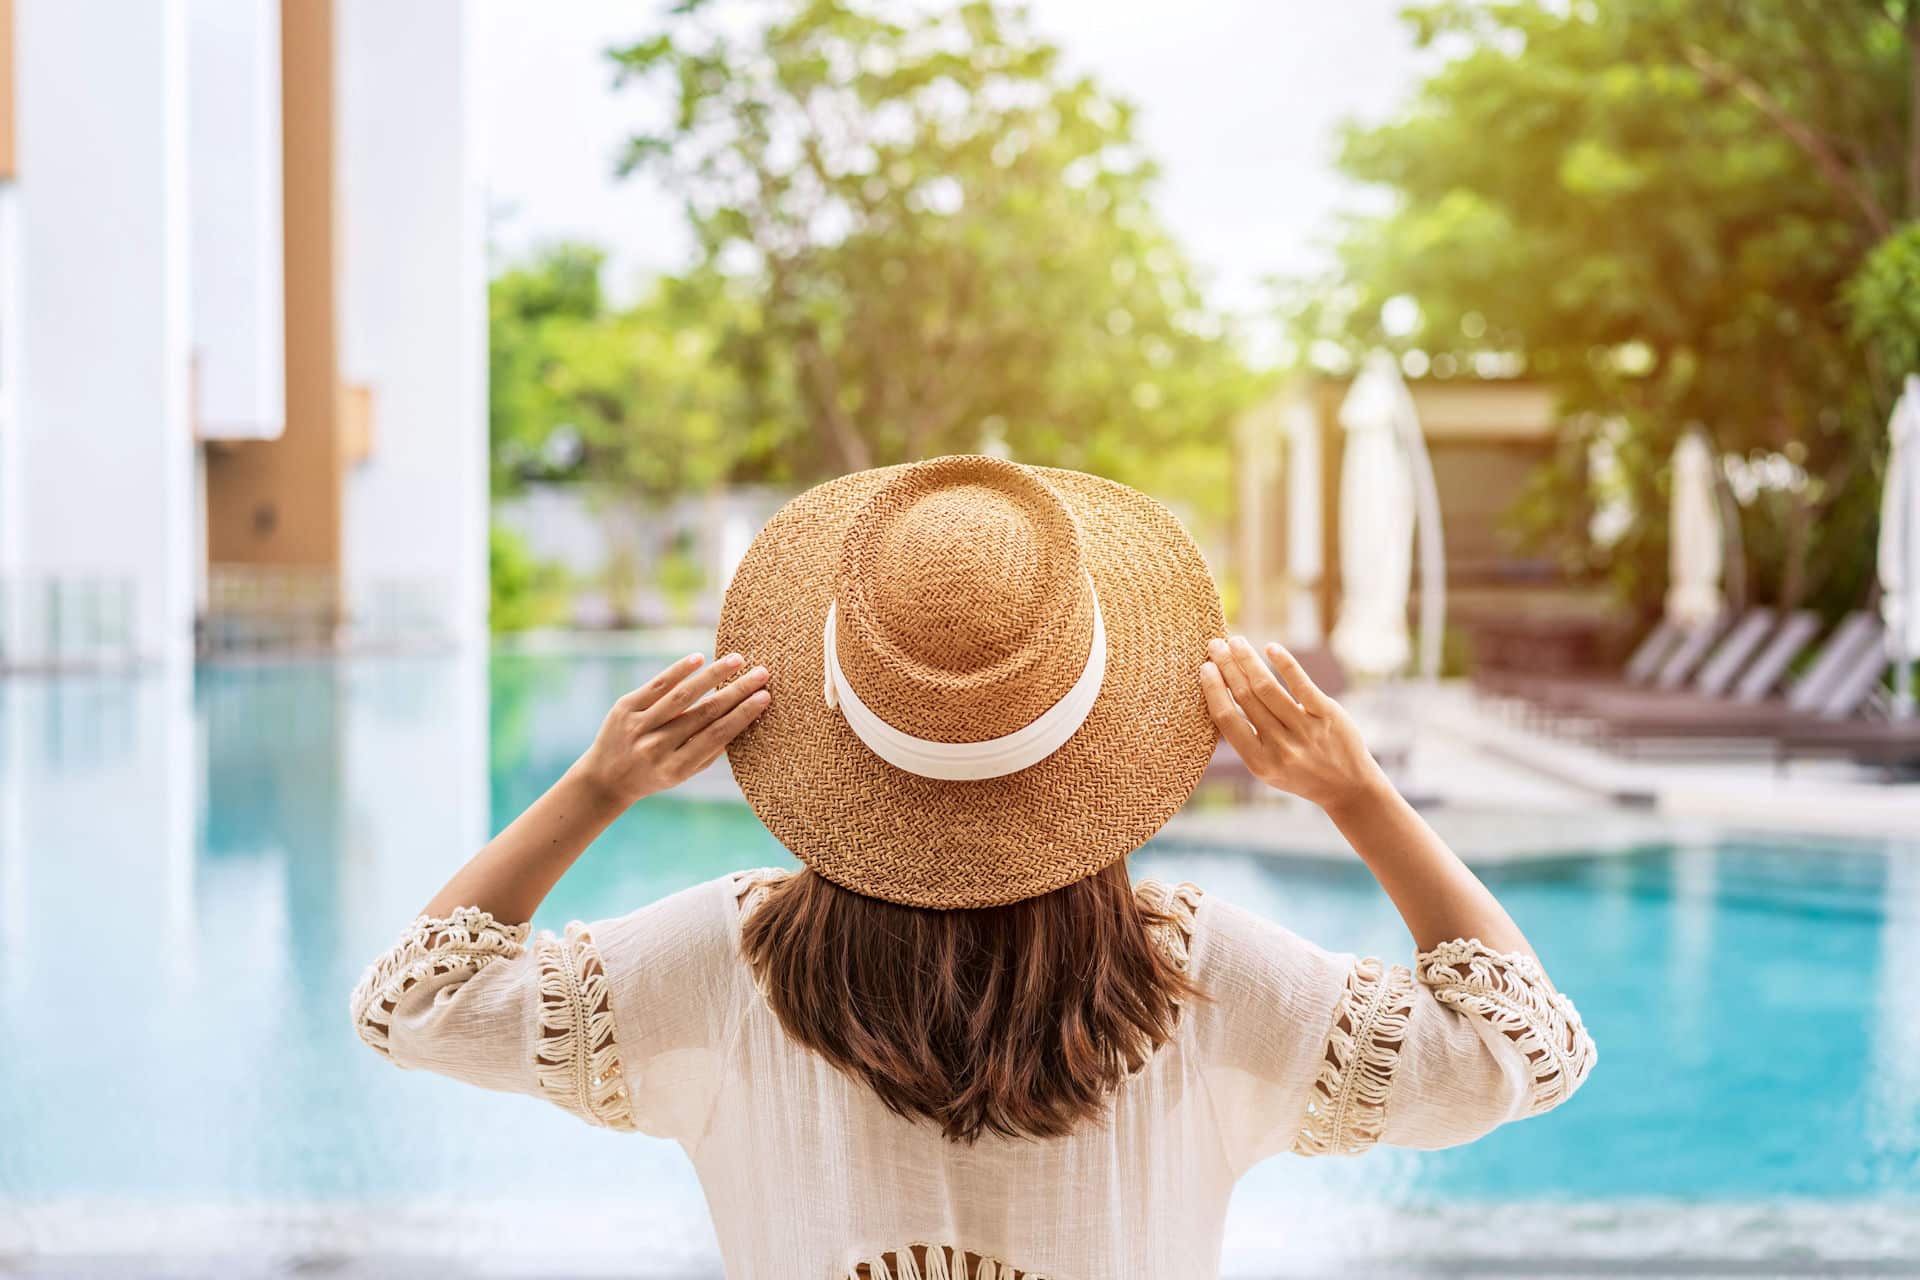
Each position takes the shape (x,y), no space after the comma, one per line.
(971,761)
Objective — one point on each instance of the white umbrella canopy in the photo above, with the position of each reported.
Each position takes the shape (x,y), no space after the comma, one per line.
(1305,556)
(1696,552)
(1899,550)
(1376,528)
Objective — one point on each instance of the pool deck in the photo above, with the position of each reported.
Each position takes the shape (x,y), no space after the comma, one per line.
(620,1238)
(1497,790)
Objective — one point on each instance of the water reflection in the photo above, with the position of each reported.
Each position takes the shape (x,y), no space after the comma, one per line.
(1894,1117)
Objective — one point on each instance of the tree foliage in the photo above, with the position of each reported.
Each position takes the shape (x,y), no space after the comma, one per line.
(637,398)
(938,239)
(1657,206)
(525,592)
(1883,299)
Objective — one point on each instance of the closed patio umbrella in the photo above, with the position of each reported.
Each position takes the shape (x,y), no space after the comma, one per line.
(1305,562)
(1899,550)
(1376,528)
(1696,552)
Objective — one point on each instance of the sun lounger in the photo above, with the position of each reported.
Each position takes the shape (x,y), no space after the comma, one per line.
(1734,673)
(1836,686)
(1893,745)
(1641,667)
(1715,651)
(1665,664)
(1702,642)
(1765,673)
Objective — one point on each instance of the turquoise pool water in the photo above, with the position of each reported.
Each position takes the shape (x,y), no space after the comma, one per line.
(193,873)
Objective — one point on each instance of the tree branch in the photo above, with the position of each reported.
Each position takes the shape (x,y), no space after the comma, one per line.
(1913,110)
(1834,169)
(832,415)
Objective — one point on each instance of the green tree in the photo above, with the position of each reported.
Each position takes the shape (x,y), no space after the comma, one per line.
(636,399)
(941,240)
(1656,205)
(1883,298)
(525,303)
(525,590)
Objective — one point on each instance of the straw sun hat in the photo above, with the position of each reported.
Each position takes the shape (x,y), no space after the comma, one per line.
(985,677)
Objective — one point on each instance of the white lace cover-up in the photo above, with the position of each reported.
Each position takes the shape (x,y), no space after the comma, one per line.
(653,1023)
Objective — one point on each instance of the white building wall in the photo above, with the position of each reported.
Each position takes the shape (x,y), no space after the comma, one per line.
(11,555)
(413,317)
(233,95)
(102,446)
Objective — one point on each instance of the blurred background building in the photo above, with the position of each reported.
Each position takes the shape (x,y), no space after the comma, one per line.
(242,329)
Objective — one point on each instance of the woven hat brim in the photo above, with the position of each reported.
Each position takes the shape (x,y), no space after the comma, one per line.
(886,833)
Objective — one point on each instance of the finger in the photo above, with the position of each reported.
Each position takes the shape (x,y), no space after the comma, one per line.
(1284,706)
(649,693)
(707,744)
(688,691)
(1226,716)
(710,708)
(1264,722)
(1304,689)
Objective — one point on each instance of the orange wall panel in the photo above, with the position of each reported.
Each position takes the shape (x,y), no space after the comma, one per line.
(278,502)
(8,166)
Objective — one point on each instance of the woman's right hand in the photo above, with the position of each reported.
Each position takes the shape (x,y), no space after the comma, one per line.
(1300,741)
(672,727)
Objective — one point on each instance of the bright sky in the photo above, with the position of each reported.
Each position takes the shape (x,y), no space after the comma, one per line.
(1239,101)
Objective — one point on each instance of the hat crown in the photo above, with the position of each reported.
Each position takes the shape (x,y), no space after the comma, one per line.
(965,608)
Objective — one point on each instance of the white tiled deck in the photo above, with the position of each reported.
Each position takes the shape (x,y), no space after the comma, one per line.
(1495,789)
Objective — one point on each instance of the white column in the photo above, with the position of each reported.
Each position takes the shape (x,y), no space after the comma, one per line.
(12,556)
(104,450)
(234,132)
(413,313)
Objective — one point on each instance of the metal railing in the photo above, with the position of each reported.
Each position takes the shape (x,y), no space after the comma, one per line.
(66,622)
(269,609)
(275,609)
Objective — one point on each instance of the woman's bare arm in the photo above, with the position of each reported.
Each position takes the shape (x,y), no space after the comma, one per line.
(1304,742)
(656,737)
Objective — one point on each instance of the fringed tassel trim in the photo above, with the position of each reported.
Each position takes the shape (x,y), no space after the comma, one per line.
(468,940)
(1178,904)
(578,1060)
(921,1261)
(1349,1099)
(1509,990)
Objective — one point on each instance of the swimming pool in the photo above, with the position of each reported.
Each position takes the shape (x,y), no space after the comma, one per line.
(193,871)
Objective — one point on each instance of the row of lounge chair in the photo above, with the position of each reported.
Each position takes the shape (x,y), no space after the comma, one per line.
(1730,682)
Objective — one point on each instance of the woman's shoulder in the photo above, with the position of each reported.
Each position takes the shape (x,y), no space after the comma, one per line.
(1173,917)
(697,927)
(1223,943)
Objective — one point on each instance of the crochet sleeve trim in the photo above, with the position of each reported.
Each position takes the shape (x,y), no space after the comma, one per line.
(1348,1103)
(923,1261)
(467,941)
(1177,907)
(578,1058)
(1509,990)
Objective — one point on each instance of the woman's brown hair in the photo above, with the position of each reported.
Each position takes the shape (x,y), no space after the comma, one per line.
(1018,1020)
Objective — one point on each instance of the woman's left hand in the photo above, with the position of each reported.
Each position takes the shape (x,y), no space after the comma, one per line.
(673,726)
